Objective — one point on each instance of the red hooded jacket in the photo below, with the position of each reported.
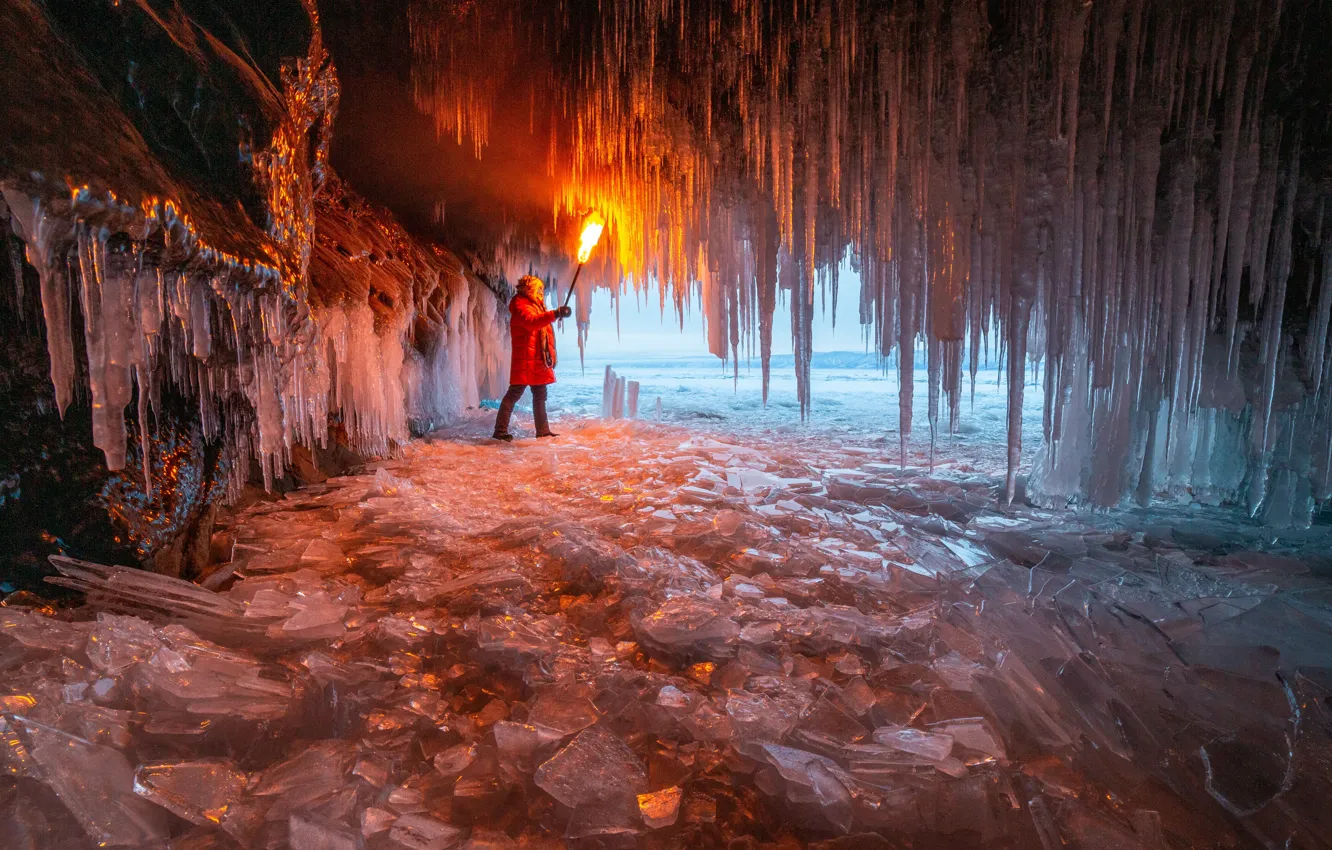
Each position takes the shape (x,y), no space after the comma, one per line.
(533,342)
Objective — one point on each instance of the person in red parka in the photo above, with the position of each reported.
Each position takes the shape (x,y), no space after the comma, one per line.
(533,355)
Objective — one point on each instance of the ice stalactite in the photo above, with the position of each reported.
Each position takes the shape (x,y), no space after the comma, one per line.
(40,233)
(1109,192)
(260,360)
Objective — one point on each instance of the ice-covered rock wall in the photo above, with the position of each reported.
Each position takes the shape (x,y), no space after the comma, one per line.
(367,273)
(172,188)
(1130,193)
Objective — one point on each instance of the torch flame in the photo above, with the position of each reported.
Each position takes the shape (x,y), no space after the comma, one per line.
(590,237)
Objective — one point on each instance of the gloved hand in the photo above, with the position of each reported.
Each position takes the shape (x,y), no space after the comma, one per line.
(564,312)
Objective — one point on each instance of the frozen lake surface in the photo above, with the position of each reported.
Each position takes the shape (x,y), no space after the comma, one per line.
(848,400)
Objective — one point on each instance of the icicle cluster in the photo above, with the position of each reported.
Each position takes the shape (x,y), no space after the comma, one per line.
(1103,189)
(268,368)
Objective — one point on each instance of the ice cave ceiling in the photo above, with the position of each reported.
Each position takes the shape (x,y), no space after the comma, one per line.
(1129,194)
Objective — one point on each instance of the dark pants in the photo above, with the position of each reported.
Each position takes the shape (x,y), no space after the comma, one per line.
(538,408)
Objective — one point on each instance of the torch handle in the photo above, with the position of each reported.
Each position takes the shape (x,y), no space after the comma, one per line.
(570,293)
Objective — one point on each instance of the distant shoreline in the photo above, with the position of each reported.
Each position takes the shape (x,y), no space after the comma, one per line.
(821,360)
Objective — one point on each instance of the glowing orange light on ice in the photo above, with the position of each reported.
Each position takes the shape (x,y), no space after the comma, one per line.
(591,236)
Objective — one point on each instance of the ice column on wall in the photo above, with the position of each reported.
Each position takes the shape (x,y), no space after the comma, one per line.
(466,361)
(268,370)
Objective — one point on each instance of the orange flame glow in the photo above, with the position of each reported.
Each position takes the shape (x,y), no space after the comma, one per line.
(591,236)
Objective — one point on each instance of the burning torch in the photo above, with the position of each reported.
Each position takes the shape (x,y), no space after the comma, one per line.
(586,242)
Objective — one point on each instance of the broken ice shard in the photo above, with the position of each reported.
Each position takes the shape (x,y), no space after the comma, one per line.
(95,783)
(685,624)
(808,779)
(660,809)
(200,792)
(307,831)
(933,746)
(420,832)
(596,765)
(568,710)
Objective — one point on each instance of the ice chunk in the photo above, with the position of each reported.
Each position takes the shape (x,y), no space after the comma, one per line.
(317,616)
(308,775)
(200,792)
(1147,826)
(517,637)
(761,718)
(809,778)
(498,577)
(1249,768)
(404,800)
(660,809)
(751,480)
(1083,827)
(373,769)
(391,485)
(956,671)
(827,728)
(568,710)
(38,632)
(930,745)
(728,522)
(759,633)
(95,783)
(117,643)
(672,697)
(15,760)
(708,723)
(375,820)
(1043,822)
(974,733)
(420,832)
(594,766)
(689,624)
(616,815)
(519,743)
(455,760)
(306,831)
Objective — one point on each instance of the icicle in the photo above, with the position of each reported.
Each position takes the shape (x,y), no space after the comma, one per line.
(1317,345)
(15,260)
(44,235)
(1272,339)
(200,324)
(1230,136)
(144,446)
(102,332)
(1237,246)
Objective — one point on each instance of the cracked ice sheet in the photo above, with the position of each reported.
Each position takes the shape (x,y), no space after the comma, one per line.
(440,632)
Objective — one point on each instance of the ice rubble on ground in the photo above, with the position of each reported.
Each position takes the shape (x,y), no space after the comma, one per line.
(644,636)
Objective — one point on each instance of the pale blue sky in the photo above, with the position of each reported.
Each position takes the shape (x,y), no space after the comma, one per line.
(643,329)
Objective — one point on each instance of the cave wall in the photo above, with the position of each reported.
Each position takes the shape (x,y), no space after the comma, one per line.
(205,301)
